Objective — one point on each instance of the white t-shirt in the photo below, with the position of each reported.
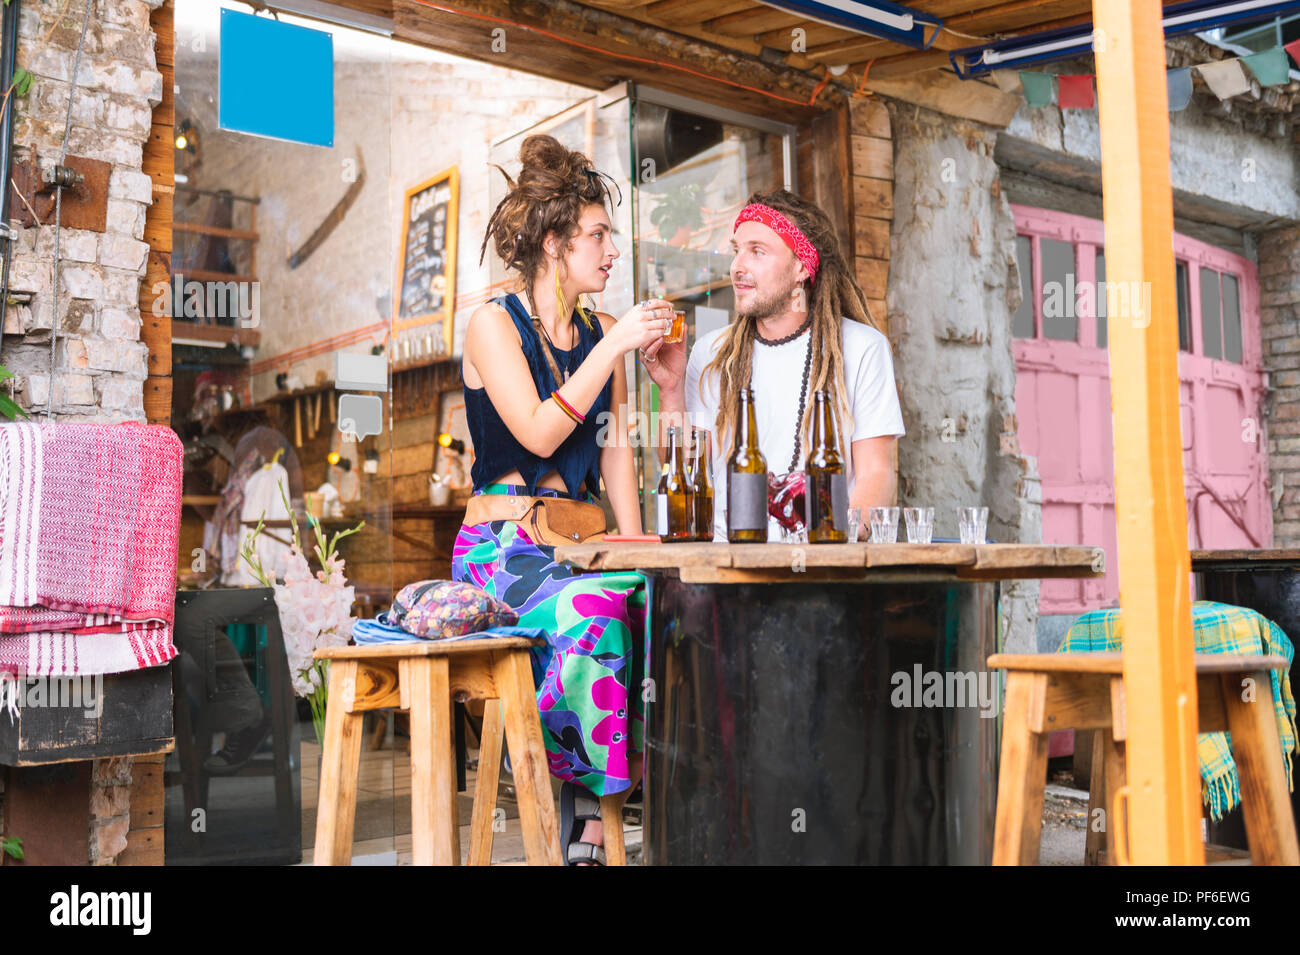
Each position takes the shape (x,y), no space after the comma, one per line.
(777,377)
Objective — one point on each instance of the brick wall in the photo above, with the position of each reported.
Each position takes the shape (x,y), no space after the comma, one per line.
(1279,287)
(99,364)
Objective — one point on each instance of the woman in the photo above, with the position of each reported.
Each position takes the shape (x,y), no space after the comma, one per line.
(541,378)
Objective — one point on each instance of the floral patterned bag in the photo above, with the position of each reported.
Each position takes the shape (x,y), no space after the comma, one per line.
(437,609)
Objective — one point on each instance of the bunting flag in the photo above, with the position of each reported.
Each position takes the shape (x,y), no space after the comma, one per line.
(1294,49)
(1075,92)
(1225,78)
(1038,88)
(1009,80)
(1271,67)
(1179,84)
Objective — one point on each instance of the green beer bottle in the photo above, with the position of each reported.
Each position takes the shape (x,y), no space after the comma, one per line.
(746,479)
(827,494)
(673,512)
(701,483)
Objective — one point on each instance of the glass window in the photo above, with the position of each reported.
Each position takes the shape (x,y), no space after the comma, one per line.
(1058,290)
(1231,319)
(1100,298)
(1022,323)
(1182,282)
(1211,325)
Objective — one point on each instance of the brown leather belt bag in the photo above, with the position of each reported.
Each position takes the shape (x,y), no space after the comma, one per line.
(547,520)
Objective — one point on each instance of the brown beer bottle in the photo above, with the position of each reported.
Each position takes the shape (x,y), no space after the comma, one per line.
(746,479)
(673,515)
(827,494)
(701,485)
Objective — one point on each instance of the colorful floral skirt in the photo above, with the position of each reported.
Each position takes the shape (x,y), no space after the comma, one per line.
(590,674)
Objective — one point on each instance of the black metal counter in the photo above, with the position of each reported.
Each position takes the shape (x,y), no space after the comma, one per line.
(788,719)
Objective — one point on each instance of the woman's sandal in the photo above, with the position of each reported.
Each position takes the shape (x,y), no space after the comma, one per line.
(577,806)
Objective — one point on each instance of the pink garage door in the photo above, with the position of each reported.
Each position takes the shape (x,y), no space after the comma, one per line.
(1063,395)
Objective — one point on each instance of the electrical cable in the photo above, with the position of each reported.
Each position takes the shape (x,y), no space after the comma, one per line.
(58,208)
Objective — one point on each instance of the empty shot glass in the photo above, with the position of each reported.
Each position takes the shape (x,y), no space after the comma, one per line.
(920,524)
(855,524)
(884,524)
(972,522)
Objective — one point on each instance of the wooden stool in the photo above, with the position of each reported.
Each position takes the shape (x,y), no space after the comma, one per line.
(424,678)
(489,769)
(1048,692)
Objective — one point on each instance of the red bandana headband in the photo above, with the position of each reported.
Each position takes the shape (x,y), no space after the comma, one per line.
(787,230)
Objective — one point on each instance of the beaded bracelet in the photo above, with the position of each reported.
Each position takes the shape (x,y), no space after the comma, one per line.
(567,408)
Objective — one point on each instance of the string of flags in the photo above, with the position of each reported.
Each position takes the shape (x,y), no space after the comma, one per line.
(1225,78)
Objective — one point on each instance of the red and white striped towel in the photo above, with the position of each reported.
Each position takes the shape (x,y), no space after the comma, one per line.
(89,526)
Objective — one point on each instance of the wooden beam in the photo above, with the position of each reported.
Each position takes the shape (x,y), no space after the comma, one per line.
(1164,812)
(941,90)
(596,49)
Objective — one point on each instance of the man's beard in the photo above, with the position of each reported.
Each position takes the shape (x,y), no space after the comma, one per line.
(767,307)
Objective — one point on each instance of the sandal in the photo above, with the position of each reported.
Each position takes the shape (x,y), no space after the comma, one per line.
(576,807)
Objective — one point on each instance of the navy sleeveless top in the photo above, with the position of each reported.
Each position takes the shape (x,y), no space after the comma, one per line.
(496,452)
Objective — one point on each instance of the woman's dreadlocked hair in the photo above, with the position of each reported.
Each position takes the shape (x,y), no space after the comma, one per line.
(833,294)
(555,185)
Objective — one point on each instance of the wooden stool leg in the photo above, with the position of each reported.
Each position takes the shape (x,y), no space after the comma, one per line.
(1095,838)
(514,680)
(1270,827)
(611,823)
(335,814)
(1116,775)
(1022,776)
(485,793)
(435,827)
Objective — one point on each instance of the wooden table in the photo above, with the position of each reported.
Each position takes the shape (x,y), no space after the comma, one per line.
(1267,581)
(787,718)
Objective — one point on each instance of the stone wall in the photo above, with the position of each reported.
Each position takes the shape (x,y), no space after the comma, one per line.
(1279,286)
(99,363)
(953,287)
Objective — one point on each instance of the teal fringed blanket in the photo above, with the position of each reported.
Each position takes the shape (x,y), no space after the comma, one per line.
(1217,628)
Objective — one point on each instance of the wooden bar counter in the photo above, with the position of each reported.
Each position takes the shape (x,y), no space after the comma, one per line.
(823,703)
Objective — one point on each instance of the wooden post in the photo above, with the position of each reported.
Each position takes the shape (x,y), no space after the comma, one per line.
(1150,508)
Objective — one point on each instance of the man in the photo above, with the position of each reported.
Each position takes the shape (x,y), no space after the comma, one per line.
(801,325)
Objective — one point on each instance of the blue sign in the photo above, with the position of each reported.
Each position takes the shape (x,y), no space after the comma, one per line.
(275,79)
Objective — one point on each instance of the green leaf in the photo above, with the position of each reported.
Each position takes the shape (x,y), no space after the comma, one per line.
(13,846)
(5,373)
(10,409)
(22,81)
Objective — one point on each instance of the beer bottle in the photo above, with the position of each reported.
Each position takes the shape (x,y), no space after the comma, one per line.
(673,507)
(746,479)
(827,495)
(701,485)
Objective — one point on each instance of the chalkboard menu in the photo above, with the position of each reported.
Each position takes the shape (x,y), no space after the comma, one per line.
(426,279)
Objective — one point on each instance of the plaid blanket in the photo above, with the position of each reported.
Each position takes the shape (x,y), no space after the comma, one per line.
(89,527)
(1217,628)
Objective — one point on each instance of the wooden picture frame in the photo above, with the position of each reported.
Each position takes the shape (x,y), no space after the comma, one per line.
(427,254)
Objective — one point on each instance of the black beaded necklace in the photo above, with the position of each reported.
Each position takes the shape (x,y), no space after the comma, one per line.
(803,388)
(773,342)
